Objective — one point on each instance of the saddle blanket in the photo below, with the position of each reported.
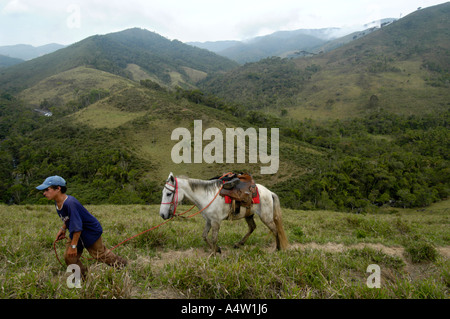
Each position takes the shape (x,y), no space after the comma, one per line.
(255,200)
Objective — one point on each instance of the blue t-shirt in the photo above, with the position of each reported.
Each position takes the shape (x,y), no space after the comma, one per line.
(77,218)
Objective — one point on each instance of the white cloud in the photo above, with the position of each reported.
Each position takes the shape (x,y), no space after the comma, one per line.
(45,21)
(15,7)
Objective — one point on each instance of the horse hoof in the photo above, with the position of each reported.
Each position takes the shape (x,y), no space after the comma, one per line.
(218,250)
(236,246)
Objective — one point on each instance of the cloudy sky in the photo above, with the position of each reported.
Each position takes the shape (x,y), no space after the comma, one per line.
(68,21)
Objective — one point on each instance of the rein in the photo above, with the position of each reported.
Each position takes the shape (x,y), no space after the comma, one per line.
(173,202)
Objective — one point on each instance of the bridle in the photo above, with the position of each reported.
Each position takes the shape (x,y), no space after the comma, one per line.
(174,191)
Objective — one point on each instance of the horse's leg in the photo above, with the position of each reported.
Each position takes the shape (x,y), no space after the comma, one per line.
(206,231)
(271,225)
(214,237)
(251,227)
(267,219)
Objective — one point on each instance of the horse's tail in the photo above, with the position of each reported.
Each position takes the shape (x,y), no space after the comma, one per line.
(284,243)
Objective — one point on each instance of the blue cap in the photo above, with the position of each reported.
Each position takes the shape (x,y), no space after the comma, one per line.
(52,181)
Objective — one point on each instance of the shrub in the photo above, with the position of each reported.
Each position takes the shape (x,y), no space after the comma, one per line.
(420,251)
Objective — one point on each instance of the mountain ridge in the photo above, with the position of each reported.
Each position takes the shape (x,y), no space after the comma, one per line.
(6,61)
(401,68)
(113,52)
(280,43)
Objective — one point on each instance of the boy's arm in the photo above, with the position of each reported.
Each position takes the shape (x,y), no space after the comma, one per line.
(62,232)
(73,251)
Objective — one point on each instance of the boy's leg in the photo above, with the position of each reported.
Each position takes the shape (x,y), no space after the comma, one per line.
(99,251)
(74,260)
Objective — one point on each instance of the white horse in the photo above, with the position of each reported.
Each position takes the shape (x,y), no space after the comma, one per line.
(204,195)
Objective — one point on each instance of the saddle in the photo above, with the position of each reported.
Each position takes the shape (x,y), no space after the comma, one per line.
(241,189)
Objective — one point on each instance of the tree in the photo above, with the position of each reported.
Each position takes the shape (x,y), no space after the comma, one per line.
(373,101)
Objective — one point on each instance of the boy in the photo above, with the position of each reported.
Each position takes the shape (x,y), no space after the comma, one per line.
(84,229)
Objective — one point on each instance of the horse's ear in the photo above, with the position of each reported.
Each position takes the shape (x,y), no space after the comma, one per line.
(171,177)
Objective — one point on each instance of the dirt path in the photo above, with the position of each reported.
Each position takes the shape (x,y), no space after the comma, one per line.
(395,251)
(336,248)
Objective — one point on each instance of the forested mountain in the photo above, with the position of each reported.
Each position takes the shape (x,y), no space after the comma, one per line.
(402,68)
(215,46)
(275,44)
(6,61)
(122,53)
(296,43)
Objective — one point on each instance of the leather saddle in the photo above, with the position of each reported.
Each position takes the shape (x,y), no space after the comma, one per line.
(241,188)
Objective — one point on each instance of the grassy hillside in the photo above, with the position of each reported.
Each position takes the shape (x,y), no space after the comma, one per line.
(110,137)
(115,147)
(59,89)
(328,256)
(402,68)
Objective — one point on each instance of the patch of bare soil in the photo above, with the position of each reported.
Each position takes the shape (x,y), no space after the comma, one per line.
(388,250)
(173,255)
(444,251)
(336,248)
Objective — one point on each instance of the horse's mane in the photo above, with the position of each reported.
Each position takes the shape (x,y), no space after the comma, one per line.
(207,185)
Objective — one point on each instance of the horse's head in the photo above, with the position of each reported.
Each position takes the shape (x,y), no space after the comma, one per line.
(169,199)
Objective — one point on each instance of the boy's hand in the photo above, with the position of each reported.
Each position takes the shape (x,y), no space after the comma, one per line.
(72,252)
(61,234)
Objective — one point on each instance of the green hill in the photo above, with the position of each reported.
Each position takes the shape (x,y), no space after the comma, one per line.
(74,84)
(114,147)
(402,68)
(124,53)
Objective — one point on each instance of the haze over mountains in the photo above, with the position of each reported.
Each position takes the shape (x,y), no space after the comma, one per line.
(295,43)
(28,52)
(116,99)
(15,54)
